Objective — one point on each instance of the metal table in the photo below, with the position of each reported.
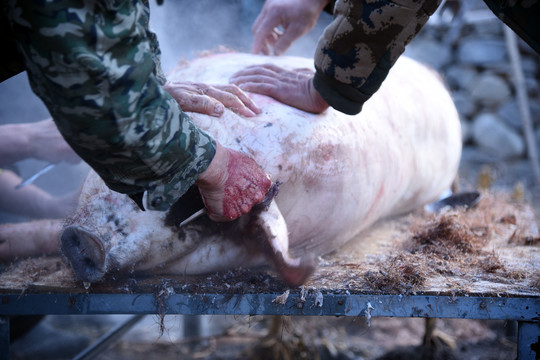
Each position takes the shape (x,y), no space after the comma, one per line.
(496,278)
(172,300)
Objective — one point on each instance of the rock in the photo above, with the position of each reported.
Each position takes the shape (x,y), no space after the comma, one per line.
(460,77)
(464,104)
(493,27)
(532,86)
(529,65)
(491,134)
(465,130)
(430,52)
(482,52)
(490,89)
(537,140)
(510,115)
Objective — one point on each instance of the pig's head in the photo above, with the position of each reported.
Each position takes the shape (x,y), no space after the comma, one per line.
(109,235)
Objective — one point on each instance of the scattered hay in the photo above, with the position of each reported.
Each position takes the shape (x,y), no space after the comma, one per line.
(535,281)
(460,244)
(402,273)
(447,238)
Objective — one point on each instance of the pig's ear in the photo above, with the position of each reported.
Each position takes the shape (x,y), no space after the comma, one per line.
(138,198)
(272,237)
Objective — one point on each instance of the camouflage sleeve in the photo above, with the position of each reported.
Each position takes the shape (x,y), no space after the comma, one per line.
(95,65)
(358,48)
(523,17)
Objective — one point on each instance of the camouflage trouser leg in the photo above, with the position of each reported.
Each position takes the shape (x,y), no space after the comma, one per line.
(95,65)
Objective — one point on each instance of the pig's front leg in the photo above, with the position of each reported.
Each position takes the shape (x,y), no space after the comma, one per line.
(33,238)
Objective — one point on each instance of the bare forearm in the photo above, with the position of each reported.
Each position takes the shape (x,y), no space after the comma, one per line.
(28,201)
(14,144)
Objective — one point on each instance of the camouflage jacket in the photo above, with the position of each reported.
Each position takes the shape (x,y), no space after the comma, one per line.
(95,64)
(366,37)
(357,50)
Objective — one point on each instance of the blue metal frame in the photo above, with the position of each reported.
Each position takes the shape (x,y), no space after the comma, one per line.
(526,310)
(342,304)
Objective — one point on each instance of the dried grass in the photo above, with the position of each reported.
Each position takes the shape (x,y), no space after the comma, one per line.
(459,243)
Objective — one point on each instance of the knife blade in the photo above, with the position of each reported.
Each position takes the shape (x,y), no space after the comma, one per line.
(196,215)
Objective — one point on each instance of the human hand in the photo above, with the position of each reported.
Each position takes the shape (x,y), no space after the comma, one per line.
(295,17)
(46,143)
(232,184)
(291,87)
(211,99)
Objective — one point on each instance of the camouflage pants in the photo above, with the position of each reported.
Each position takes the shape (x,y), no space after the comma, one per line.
(95,65)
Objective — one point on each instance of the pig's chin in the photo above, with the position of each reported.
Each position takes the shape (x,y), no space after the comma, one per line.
(85,252)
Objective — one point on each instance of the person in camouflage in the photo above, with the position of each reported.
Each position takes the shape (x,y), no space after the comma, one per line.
(356,50)
(95,65)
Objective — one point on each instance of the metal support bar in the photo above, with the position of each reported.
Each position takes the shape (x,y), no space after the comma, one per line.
(108,339)
(192,326)
(314,303)
(4,337)
(528,340)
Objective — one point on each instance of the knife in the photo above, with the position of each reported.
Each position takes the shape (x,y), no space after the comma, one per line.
(33,178)
(196,215)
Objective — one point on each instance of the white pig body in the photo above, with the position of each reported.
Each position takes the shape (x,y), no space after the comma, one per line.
(339,173)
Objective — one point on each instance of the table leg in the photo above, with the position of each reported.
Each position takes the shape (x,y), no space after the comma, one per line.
(4,337)
(528,340)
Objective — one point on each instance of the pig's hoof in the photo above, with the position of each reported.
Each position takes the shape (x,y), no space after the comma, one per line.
(85,252)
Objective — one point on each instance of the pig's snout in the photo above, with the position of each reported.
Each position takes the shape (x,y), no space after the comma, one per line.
(85,252)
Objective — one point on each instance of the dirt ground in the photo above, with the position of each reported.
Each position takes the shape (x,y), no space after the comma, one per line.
(334,338)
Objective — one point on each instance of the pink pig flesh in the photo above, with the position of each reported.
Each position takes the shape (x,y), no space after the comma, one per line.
(339,175)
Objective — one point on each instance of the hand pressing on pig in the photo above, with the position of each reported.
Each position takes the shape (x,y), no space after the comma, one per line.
(291,87)
(211,99)
(232,184)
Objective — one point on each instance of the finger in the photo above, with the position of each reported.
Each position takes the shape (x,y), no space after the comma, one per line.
(254,79)
(273,37)
(266,48)
(305,71)
(244,98)
(262,29)
(201,104)
(285,40)
(261,88)
(258,70)
(230,101)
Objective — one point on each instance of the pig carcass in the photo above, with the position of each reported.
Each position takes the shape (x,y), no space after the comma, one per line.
(338,173)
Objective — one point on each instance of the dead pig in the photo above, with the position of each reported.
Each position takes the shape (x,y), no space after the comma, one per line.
(338,173)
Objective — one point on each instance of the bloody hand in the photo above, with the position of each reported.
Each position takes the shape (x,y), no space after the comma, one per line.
(232,184)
